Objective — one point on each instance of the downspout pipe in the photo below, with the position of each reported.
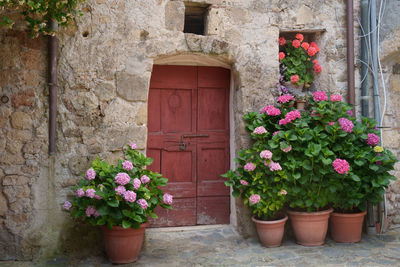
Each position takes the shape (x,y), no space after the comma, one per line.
(53,54)
(350,52)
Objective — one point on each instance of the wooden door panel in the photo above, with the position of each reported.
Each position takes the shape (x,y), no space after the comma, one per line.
(213,210)
(176,106)
(183,213)
(213,160)
(183,77)
(212,109)
(190,101)
(213,77)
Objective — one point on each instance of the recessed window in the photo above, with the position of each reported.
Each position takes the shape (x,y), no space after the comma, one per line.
(195,18)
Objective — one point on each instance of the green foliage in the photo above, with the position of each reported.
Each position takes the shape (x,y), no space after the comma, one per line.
(38,13)
(316,141)
(112,208)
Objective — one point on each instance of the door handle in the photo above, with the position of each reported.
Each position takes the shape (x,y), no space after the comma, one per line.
(182,145)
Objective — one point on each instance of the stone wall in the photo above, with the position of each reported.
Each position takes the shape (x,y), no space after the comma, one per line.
(105,67)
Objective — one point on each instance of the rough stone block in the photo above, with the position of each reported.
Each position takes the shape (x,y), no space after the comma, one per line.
(105,91)
(24,98)
(175,16)
(120,111)
(21,120)
(9,159)
(16,192)
(33,60)
(78,165)
(3,205)
(133,87)
(21,135)
(141,116)
(14,146)
(304,15)
(15,180)
(117,138)
(4,115)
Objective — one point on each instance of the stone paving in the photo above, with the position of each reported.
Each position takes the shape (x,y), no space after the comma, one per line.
(223,246)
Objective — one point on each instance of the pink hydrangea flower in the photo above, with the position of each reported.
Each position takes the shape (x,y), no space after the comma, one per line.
(373,139)
(97,197)
(259,130)
(90,193)
(90,174)
(275,166)
(346,125)
(90,210)
(136,183)
(132,145)
(341,166)
(80,192)
(120,190)
(254,199)
(283,192)
(292,115)
(127,165)
(320,96)
(266,154)
(243,182)
(122,178)
(129,196)
(331,123)
(283,122)
(313,113)
(249,167)
(167,199)
(285,99)
(275,133)
(271,110)
(337,98)
(143,203)
(287,149)
(145,179)
(67,205)
(350,112)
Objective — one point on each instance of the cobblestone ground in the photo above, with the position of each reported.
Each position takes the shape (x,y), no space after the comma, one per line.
(223,246)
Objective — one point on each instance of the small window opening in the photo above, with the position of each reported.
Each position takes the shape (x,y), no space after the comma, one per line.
(195,18)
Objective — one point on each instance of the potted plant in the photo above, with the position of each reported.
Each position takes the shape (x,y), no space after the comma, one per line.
(361,166)
(306,165)
(296,64)
(120,199)
(259,181)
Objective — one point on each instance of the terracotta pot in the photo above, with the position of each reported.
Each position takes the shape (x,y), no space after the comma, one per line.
(345,227)
(310,227)
(123,245)
(270,233)
(300,104)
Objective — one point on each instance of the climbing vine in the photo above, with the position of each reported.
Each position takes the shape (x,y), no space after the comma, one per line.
(38,13)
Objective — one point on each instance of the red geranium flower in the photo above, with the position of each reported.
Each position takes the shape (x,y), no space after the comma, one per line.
(300,37)
(281,55)
(294,78)
(305,45)
(282,41)
(296,43)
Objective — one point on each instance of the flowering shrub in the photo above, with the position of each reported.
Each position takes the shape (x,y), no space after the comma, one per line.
(295,57)
(322,157)
(124,195)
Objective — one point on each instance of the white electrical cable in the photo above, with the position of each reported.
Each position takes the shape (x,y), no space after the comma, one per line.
(380,16)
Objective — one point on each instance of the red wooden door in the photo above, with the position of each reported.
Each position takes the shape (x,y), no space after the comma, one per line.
(188,137)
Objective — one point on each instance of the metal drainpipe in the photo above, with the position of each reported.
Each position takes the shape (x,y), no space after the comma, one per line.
(350,53)
(53,50)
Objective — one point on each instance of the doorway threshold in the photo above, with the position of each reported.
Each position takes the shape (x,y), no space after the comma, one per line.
(188,228)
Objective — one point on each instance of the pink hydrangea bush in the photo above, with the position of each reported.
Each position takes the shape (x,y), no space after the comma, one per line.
(127,189)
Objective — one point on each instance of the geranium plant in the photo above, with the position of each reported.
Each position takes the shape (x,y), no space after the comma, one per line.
(296,64)
(122,195)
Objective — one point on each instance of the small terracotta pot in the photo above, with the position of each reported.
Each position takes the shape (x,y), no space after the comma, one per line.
(270,233)
(310,227)
(123,245)
(346,227)
(300,104)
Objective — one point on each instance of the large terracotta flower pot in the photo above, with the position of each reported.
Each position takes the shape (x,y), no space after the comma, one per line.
(310,227)
(123,245)
(270,233)
(346,227)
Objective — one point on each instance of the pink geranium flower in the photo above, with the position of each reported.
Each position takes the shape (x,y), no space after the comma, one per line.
(271,111)
(284,99)
(320,96)
(337,98)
